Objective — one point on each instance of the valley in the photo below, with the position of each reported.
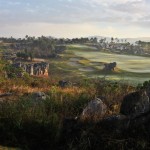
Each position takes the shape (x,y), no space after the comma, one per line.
(89,62)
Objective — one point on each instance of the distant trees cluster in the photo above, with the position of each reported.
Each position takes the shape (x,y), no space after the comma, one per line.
(30,47)
(145,45)
(42,47)
(23,55)
(81,40)
(35,47)
(123,46)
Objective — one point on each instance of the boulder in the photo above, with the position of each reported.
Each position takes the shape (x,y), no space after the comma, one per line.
(39,96)
(95,109)
(110,66)
(135,104)
(63,83)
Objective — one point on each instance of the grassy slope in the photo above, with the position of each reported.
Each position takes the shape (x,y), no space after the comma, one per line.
(97,69)
(30,125)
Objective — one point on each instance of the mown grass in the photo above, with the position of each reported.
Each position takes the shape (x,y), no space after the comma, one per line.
(132,77)
(80,47)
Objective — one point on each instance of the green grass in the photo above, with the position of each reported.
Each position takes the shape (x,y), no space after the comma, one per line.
(80,47)
(26,124)
(74,51)
(29,125)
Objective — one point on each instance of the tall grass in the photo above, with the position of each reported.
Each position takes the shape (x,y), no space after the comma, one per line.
(31,124)
(28,124)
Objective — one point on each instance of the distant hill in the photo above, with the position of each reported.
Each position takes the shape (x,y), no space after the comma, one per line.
(131,40)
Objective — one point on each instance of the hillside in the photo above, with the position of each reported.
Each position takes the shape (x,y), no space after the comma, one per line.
(76,105)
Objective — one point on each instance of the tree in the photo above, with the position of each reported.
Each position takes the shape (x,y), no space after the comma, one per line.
(22,55)
(112,39)
(31,55)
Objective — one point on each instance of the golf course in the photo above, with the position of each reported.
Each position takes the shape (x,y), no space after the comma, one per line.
(87,61)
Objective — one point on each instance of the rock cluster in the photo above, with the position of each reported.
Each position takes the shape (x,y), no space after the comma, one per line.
(134,111)
(33,68)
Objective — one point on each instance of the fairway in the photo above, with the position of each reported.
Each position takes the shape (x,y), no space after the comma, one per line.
(90,62)
(129,63)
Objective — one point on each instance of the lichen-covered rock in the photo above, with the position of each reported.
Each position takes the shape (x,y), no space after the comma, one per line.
(135,104)
(94,110)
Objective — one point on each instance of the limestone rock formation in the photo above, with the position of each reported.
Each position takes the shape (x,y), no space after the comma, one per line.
(95,109)
(110,66)
(33,68)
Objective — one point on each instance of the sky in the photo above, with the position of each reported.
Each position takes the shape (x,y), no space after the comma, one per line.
(75,18)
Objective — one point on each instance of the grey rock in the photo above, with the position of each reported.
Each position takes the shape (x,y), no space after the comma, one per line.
(39,96)
(134,104)
(95,109)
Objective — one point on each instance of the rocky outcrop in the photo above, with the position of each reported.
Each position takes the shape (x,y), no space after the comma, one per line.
(135,103)
(110,66)
(134,112)
(33,68)
(39,96)
(95,109)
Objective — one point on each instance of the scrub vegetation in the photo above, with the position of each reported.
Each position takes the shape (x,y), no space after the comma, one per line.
(55,122)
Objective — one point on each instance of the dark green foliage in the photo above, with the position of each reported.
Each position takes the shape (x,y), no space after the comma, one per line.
(23,55)
(13,72)
(145,85)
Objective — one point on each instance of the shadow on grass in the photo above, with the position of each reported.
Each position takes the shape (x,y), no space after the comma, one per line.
(73,134)
(28,135)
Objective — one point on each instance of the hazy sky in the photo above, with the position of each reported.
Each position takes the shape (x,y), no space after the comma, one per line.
(75,18)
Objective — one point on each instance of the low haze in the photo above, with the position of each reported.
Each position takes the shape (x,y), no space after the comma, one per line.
(75,18)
